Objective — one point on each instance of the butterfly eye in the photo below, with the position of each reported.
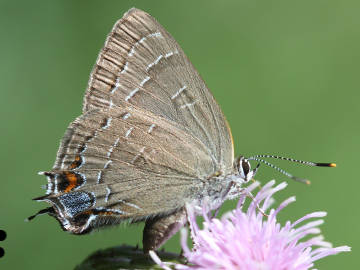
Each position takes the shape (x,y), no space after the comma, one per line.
(245,166)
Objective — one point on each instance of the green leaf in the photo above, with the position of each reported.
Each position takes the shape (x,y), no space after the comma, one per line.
(125,257)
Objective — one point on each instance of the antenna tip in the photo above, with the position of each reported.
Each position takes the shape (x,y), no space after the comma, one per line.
(325,164)
(301,180)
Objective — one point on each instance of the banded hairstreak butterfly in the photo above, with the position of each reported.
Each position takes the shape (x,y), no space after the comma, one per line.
(150,139)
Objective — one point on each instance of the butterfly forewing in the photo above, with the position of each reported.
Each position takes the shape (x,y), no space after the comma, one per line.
(150,133)
(141,64)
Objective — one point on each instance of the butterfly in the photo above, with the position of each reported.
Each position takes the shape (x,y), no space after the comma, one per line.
(151,138)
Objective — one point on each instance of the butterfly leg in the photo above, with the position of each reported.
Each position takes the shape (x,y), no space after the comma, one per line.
(157,231)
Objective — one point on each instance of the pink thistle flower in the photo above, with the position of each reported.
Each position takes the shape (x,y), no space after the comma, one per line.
(249,240)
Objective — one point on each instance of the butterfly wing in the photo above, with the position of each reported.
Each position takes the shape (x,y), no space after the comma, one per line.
(150,133)
(130,165)
(142,64)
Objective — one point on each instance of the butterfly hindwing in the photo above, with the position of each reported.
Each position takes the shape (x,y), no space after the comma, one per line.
(129,163)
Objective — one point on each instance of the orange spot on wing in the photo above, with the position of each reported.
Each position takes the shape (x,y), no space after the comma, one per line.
(106,213)
(100,213)
(76,163)
(72,179)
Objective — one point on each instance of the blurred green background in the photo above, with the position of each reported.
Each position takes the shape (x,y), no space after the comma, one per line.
(286,74)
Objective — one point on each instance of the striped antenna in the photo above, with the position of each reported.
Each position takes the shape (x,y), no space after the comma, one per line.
(298,179)
(309,163)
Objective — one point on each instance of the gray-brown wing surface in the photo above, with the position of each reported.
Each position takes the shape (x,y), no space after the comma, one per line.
(141,64)
(150,133)
(135,164)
